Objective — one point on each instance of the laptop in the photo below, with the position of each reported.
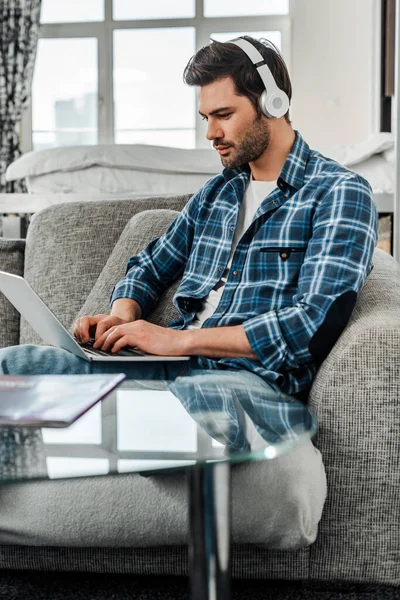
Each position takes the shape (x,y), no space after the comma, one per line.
(18,291)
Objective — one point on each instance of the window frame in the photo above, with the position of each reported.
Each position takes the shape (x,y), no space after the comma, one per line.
(103,31)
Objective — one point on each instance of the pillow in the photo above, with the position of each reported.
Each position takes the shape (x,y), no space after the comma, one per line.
(139,231)
(123,156)
(353,154)
(12,261)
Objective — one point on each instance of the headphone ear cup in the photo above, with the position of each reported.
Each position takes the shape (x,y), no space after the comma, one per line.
(274,105)
(264,104)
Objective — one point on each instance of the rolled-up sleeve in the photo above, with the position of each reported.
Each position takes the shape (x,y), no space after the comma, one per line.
(336,264)
(160,263)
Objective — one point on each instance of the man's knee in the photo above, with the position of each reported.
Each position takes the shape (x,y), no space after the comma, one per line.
(13,360)
(40,360)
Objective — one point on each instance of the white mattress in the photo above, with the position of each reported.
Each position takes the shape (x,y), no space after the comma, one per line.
(376,170)
(109,180)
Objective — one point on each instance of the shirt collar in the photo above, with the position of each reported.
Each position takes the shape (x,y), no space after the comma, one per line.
(293,170)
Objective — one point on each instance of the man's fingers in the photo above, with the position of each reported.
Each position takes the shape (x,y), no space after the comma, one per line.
(101,328)
(108,339)
(81,331)
(100,341)
(104,325)
(82,328)
(121,343)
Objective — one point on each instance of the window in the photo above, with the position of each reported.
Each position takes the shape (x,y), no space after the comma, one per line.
(157,9)
(111,70)
(73,11)
(240,8)
(151,103)
(64,93)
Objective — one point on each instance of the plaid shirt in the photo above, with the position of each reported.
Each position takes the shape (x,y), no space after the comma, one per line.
(296,272)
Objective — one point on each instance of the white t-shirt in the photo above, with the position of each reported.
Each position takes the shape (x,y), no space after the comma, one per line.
(255,193)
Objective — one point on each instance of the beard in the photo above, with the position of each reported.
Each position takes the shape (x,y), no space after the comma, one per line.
(250,146)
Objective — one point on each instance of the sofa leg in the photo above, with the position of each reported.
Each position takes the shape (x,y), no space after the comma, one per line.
(210,531)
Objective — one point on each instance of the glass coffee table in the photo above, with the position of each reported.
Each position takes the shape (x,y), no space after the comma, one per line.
(203,424)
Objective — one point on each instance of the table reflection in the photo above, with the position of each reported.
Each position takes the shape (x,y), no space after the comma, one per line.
(231,408)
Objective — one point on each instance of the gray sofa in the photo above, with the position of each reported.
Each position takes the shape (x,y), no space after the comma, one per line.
(355,396)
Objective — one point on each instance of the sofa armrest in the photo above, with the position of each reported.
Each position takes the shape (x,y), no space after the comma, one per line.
(12,254)
(356,396)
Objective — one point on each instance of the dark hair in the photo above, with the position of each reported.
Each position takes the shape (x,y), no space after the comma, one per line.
(223,59)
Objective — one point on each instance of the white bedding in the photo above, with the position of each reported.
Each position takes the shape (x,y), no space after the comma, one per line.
(116,169)
(111,180)
(373,159)
(378,172)
(139,170)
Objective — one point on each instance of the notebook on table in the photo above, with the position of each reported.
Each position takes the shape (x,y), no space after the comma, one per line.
(51,400)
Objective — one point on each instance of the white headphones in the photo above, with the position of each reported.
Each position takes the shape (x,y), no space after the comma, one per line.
(274,102)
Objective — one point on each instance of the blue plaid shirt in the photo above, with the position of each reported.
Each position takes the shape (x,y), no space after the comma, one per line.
(296,272)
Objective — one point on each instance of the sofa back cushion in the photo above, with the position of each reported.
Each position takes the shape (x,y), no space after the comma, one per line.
(11,261)
(67,247)
(139,231)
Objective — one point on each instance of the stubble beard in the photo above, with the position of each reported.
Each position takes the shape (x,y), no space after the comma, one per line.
(254,142)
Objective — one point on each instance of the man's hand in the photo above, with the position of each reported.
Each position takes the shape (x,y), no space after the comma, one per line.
(145,336)
(113,333)
(89,327)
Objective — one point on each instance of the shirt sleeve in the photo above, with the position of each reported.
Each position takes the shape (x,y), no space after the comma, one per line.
(161,262)
(336,264)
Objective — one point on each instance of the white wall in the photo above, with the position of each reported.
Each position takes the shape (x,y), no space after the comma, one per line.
(335,70)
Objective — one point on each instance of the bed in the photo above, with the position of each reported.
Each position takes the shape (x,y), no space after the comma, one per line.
(70,174)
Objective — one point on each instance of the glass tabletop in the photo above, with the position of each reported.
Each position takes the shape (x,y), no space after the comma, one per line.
(151,426)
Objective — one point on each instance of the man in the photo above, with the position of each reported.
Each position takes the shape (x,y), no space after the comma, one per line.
(273,253)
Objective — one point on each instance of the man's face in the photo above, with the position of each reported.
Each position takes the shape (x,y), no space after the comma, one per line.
(238,134)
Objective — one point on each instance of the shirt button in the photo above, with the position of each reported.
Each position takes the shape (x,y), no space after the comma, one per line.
(284,255)
(235,272)
(219,268)
(275,201)
(232,228)
(222,307)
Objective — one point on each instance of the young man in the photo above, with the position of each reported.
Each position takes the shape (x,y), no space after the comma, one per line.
(273,251)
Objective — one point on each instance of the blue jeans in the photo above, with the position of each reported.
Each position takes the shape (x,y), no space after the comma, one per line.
(46,360)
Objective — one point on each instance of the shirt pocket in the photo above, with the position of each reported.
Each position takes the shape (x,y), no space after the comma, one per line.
(283,263)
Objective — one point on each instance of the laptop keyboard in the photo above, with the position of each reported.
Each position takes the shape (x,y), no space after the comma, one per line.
(127,351)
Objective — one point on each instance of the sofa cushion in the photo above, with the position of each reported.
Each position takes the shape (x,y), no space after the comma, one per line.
(67,247)
(139,231)
(287,496)
(12,261)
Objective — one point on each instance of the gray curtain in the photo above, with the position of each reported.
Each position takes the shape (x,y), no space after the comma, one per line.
(390,45)
(19,30)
